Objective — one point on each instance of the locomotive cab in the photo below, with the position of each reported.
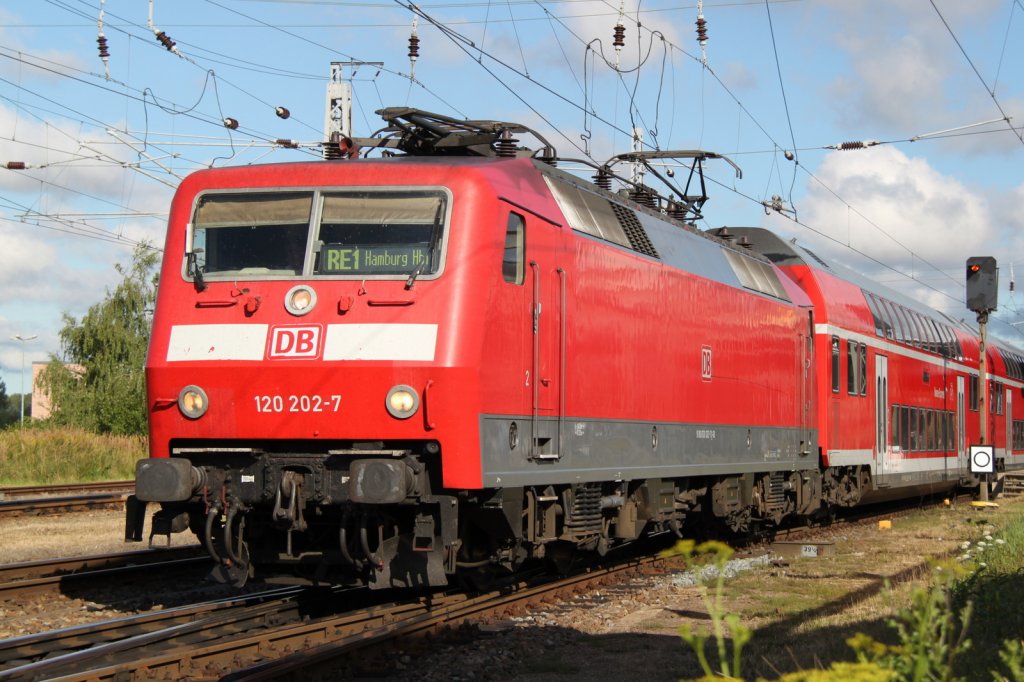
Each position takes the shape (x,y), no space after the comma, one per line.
(294,375)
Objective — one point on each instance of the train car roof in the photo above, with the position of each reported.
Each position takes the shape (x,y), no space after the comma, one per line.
(789,253)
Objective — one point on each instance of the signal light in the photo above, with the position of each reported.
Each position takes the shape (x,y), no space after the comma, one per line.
(982,284)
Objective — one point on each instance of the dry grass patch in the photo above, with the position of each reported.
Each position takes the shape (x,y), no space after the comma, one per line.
(40,456)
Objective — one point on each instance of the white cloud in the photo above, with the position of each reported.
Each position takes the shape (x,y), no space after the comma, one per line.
(739,77)
(19,41)
(905,217)
(907,75)
(903,210)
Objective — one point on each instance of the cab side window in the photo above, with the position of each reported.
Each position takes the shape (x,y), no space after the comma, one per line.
(513,263)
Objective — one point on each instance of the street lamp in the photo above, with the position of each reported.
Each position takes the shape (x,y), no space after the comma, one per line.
(23,339)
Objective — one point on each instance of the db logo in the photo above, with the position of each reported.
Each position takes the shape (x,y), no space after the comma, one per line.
(705,363)
(294,342)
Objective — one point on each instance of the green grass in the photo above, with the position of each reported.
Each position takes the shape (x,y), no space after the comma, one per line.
(996,589)
(40,456)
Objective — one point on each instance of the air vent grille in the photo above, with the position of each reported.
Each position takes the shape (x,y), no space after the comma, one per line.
(635,232)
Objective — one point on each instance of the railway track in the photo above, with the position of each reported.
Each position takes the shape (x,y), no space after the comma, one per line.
(59,505)
(55,499)
(10,492)
(33,577)
(275,634)
(266,635)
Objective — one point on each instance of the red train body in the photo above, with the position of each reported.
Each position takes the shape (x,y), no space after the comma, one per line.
(394,370)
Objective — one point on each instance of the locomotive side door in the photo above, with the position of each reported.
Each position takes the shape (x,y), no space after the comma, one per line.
(546,373)
(882,412)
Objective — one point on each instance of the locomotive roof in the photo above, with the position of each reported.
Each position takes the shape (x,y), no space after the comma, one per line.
(622,197)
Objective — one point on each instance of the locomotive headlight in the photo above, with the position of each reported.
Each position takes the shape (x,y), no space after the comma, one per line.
(192,402)
(402,401)
(300,299)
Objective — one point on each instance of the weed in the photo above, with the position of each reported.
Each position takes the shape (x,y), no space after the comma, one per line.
(722,622)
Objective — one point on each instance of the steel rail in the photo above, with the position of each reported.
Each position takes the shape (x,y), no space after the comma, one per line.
(52,505)
(42,568)
(64,488)
(19,580)
(51,652)
(454,610)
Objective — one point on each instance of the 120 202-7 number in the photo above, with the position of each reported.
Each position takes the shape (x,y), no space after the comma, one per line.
(297,403)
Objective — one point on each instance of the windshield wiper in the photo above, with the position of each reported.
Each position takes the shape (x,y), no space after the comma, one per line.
(413,275)
(192,267)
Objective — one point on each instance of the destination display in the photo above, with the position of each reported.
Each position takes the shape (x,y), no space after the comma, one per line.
(363,259)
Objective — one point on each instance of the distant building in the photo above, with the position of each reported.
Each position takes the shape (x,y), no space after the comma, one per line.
(40,398)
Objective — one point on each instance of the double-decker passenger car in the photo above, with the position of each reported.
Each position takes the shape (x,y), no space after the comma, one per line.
(898,382)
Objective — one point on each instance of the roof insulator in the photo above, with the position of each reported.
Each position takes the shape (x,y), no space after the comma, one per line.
(702,32)
(101,42)
(505,147)
(724,234)
(166,41)
(414,48)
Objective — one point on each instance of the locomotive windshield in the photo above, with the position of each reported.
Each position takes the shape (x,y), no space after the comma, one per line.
(337,233)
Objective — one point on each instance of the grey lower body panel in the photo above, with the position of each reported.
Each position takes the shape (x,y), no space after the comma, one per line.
(520,451)
(901,485)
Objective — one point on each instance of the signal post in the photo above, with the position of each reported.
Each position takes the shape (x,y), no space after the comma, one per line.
(982,298)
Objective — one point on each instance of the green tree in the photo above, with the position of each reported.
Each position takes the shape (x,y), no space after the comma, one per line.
(8,413)
(108,393)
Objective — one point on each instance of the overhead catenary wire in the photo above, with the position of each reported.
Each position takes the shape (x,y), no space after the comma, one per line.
(785,103)
(480,4)
(142,97)
(991,91)
(188,59)
(334,50)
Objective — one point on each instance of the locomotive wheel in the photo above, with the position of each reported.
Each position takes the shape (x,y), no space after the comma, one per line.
(561,556)
(478,579)
(824,516)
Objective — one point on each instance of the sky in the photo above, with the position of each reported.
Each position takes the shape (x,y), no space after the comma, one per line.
(938,84)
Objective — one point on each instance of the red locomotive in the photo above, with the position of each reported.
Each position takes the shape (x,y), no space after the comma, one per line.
(394,370)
